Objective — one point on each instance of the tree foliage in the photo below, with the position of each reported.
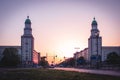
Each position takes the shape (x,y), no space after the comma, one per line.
(43,62)
(70,62)
(113,58)
(10,57)
(81,61)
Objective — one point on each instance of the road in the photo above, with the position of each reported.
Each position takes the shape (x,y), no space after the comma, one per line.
(103,72)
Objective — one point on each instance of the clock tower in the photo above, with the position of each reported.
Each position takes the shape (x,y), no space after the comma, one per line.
(94,45)
(27,44)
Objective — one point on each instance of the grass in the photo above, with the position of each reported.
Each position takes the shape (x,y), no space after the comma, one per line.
(48,74)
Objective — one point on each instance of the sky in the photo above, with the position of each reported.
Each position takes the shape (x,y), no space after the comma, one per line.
(59,26)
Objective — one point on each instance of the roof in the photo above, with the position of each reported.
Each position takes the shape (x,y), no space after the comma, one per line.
(27,21)
(94,22)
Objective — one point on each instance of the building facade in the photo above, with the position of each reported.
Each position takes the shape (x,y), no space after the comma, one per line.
(105,51)
(82,53)
(109,49)
(95,44)
(27,44)
(36,57)
(2,48)
(28,55)
(95,51)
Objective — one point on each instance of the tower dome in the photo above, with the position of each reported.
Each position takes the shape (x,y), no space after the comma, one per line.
(94,22)
(27,21)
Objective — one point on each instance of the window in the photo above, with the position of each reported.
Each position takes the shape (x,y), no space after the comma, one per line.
(26,51)
(26,43)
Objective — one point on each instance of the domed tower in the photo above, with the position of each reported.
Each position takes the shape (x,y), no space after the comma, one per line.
(94,45)
(94,30)
(27,44)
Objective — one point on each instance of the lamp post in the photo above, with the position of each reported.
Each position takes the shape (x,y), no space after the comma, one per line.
(64,61)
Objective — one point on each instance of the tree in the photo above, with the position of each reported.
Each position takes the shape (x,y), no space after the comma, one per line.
(81,61)
(70,62)
(10,57)
(113,58)
(43,62)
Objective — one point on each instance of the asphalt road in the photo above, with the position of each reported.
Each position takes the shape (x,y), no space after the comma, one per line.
(103,72)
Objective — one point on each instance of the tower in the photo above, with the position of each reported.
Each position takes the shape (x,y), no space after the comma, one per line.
(94,45)
(27,44)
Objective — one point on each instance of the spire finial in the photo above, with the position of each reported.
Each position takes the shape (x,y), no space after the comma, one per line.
(27,17)
(94,18)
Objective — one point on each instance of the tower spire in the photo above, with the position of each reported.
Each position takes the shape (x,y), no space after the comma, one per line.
(94,22)
(27,17)
(94,18)
(95,45)
(27,44)
(27,21)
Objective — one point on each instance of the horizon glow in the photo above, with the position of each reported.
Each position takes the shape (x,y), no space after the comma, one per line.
(59,26)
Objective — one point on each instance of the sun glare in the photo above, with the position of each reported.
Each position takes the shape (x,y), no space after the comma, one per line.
(67,48)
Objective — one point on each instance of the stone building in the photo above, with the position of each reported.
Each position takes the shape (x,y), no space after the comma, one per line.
(95,51)
(27,44)
(28,55)
(2,48)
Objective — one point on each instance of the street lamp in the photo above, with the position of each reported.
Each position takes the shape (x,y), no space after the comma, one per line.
(64,64)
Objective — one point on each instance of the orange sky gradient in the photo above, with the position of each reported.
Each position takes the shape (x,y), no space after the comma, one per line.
(60,26)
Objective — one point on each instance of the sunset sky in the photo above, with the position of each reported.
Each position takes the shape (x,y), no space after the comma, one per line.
(60,25)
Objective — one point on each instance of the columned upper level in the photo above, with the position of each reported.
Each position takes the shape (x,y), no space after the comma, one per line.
(94,30)
(28,29)
(94,44)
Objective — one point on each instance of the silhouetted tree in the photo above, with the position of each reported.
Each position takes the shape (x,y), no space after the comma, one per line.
(70,62)
(113,58)
(43,62)
(80,61)
(10,57)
